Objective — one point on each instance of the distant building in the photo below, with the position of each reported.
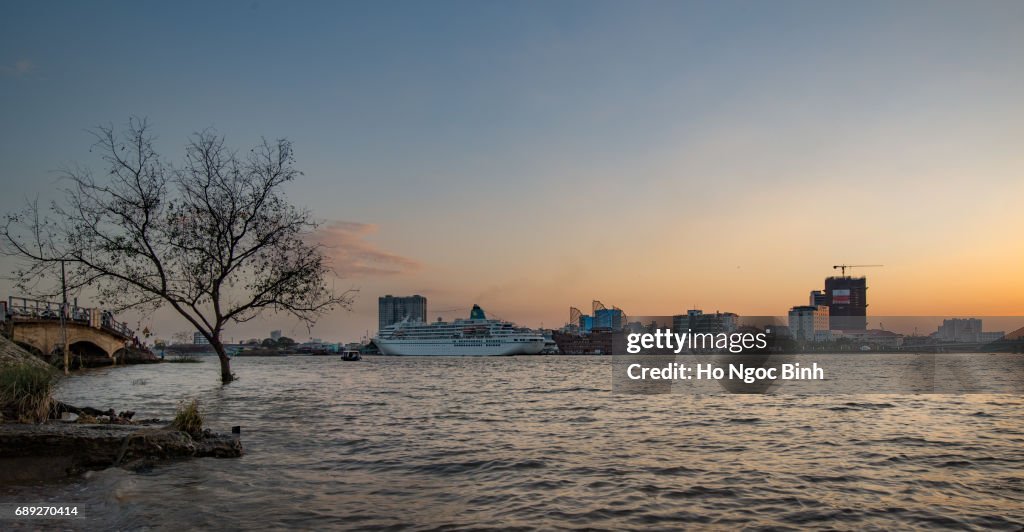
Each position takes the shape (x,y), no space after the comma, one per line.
(612,319)
(275,335)
(806,323)
(199,339)
(817,298)
(992,336)
(730,321)
(695,320)
(608,318)
(637,327)
(778,331)
(959,330)
(871,338)
(391,309)
(965,330)
(847,301)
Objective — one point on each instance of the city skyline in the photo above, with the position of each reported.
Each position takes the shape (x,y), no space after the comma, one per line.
(535,157)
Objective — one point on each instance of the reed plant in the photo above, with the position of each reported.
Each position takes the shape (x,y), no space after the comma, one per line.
(26,392)
(189,418)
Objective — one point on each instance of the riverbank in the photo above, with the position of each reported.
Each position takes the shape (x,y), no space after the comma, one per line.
(34,448)
(61,449)
(12,355)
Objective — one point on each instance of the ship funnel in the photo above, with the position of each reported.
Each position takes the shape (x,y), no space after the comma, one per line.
(477,313)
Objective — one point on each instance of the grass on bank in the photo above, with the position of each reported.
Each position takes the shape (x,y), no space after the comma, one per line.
(26,392)
(188,418)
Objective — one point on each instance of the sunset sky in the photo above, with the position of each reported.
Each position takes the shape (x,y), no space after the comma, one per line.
(532,156)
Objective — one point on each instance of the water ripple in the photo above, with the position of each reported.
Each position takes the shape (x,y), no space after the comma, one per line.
(541,443)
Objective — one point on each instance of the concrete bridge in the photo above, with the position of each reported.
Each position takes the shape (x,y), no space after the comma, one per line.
(91,333)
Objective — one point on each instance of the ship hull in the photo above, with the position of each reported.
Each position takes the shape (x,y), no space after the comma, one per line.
(462,347)
(595,343)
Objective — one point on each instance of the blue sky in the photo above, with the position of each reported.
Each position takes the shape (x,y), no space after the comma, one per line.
(534,155)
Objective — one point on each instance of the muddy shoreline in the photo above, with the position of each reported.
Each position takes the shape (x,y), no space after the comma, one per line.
(60,449)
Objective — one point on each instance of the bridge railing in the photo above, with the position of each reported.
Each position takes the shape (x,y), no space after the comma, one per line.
(37,309)
(23,307)
(119,328)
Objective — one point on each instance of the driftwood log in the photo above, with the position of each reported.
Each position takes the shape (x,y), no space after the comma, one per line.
(58,408)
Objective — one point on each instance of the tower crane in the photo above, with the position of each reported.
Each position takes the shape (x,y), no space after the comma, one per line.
(574,316)
(842,267)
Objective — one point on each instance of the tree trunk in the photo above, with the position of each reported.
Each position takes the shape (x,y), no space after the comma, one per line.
(225,363)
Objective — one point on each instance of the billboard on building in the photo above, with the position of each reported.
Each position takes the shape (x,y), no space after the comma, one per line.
(841,296)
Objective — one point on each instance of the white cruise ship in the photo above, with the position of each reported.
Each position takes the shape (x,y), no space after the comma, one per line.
(477,336)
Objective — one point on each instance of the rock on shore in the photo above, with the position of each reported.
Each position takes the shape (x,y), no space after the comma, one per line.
(59,449)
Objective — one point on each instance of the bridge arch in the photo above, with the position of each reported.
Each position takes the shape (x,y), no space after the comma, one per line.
(120,355)
(46,337)
(87,348)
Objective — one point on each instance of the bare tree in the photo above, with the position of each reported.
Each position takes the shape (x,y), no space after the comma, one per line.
(214,238)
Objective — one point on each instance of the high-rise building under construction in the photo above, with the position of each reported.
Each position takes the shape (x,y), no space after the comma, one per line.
(847,301)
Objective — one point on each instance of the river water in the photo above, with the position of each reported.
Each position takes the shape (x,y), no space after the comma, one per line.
(541,442)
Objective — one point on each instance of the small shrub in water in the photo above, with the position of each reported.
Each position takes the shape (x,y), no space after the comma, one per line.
(188,418)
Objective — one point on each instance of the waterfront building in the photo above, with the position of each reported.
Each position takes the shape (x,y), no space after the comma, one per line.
(611,319)
(638,327)
(823,336)
(392,309)
(847,301)
(608,318)
(199,339)
(965,330)
(601,318)
(779,331)
(680,322)
(697,321)
(869,339)
(959,330)
(275,335)
(991,336)
(730,321)
(817,298)
(807,323)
